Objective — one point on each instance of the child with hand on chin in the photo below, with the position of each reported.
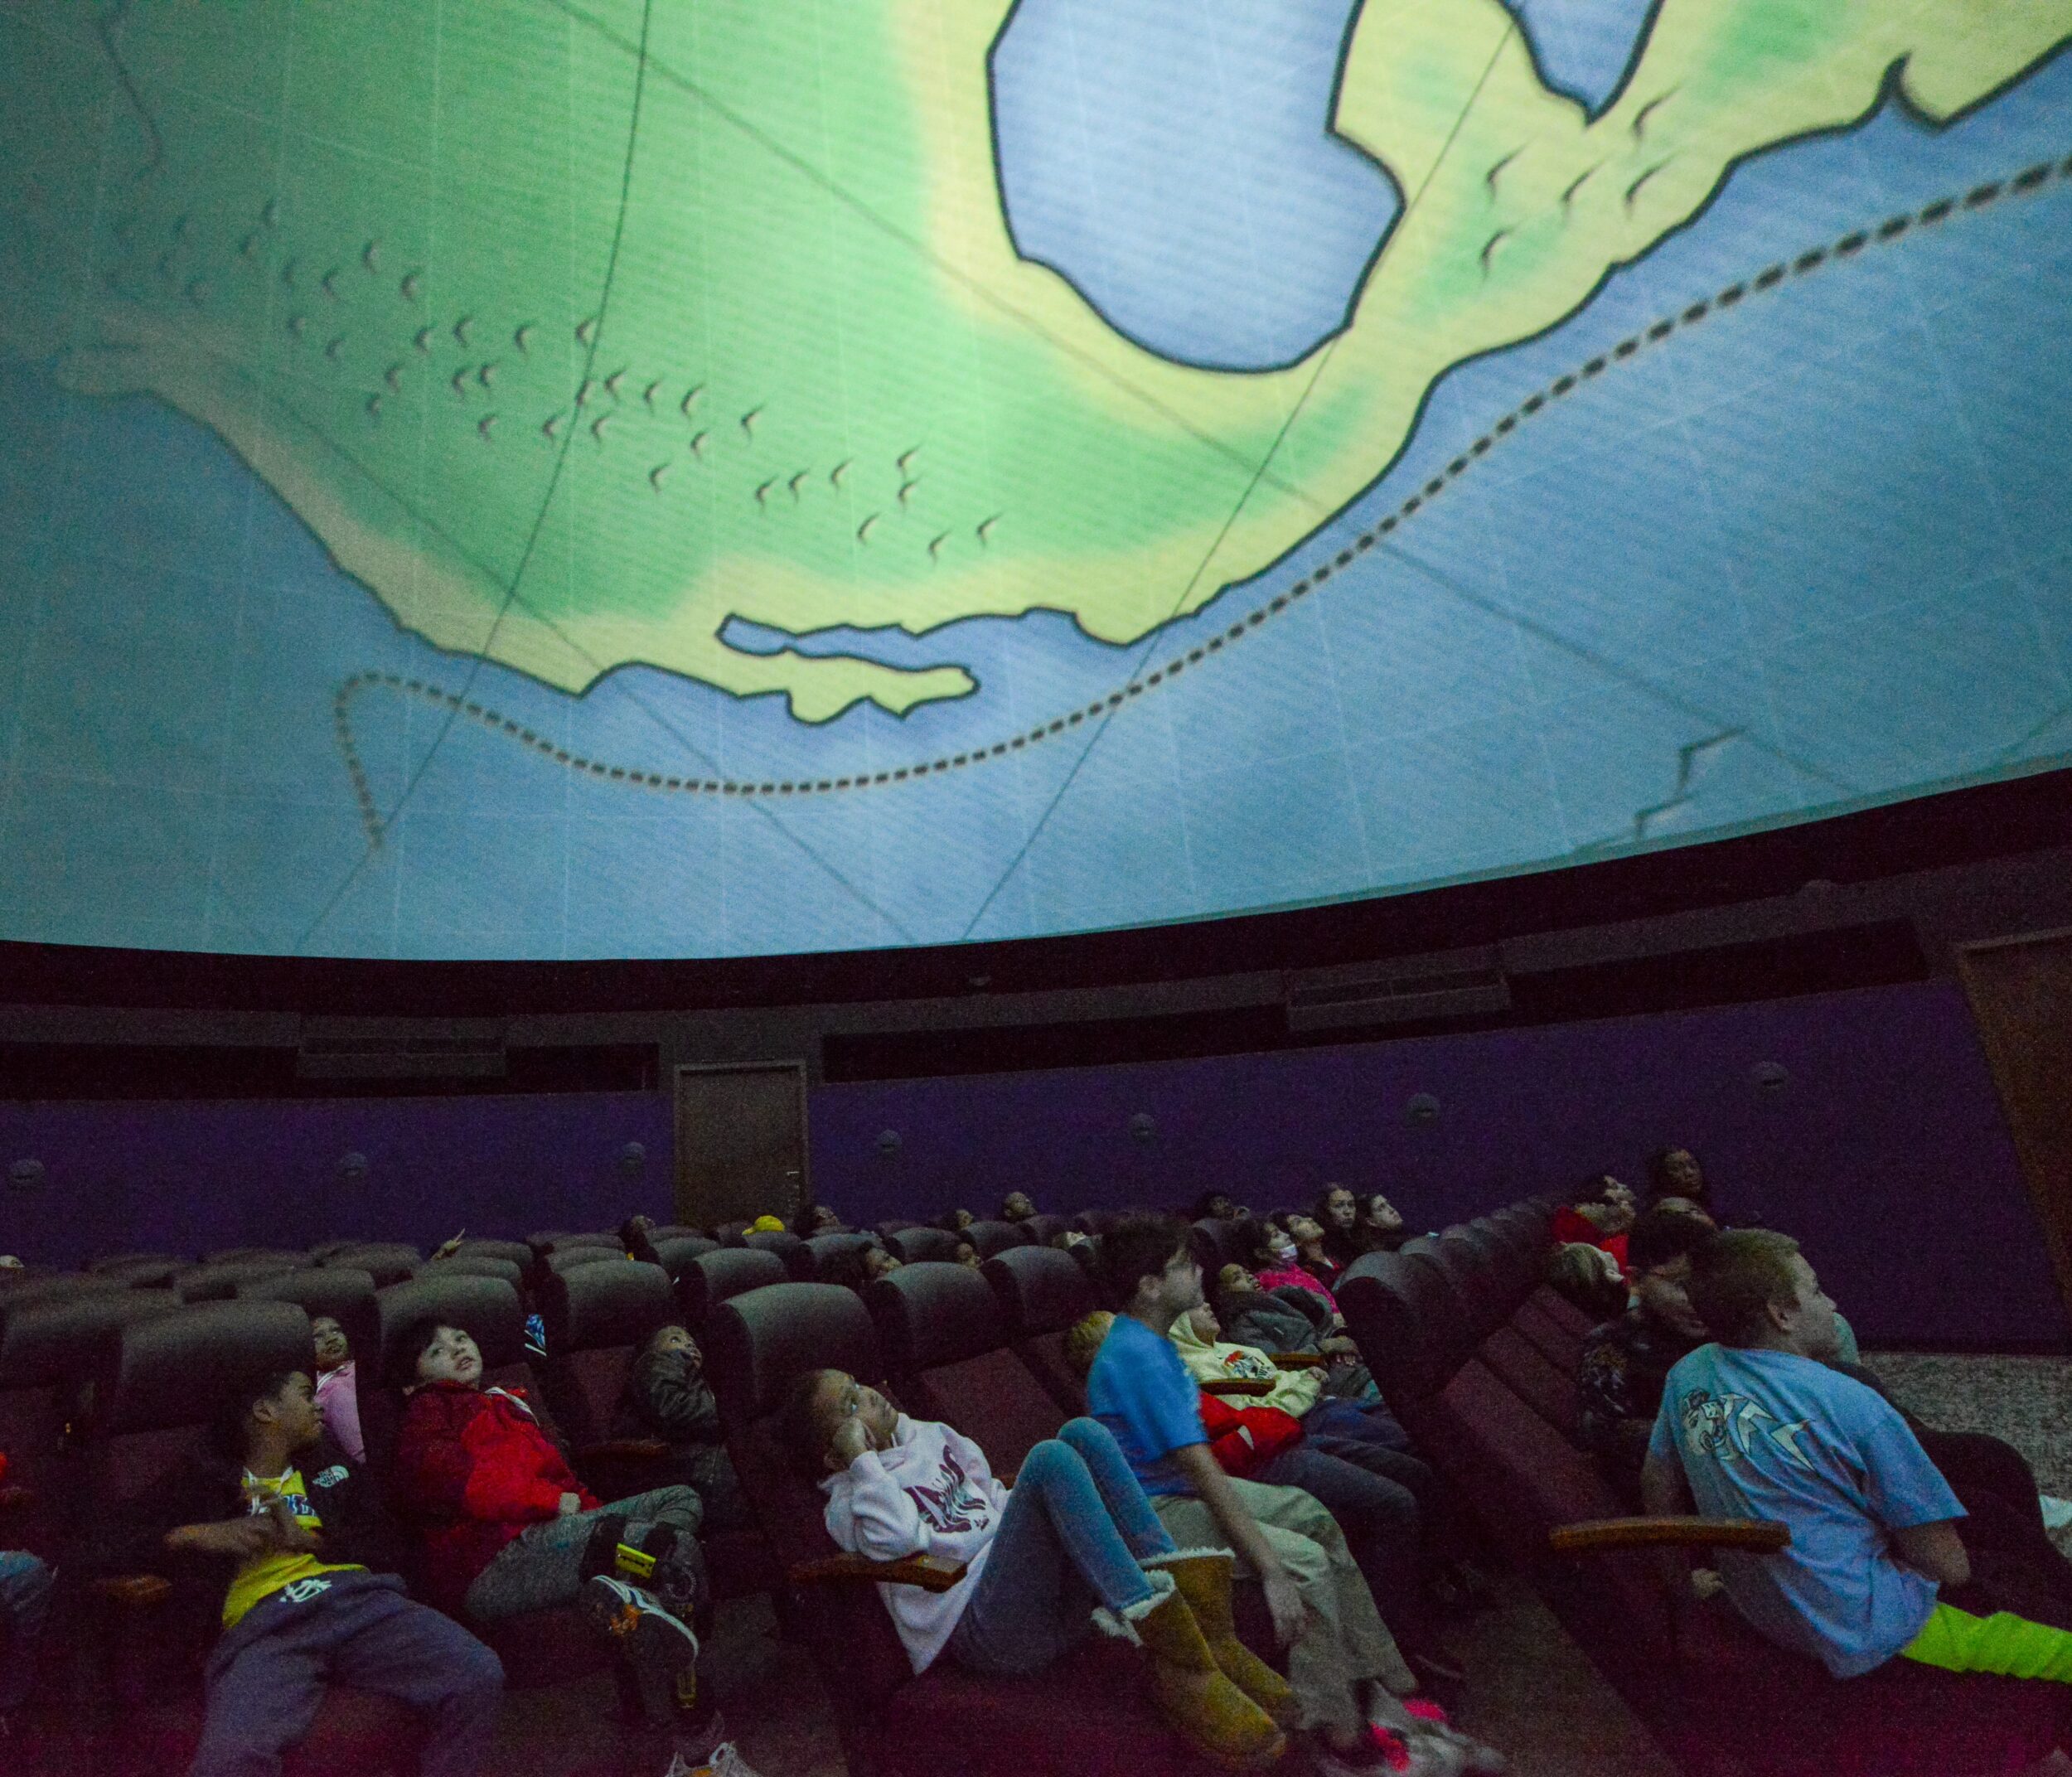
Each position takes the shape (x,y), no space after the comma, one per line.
(1073,1545)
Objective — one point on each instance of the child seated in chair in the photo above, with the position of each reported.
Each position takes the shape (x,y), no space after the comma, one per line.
(1761,1425)
(338,1387)
(507,1528)
(668,1397)
(1074,1544)
(280,1534)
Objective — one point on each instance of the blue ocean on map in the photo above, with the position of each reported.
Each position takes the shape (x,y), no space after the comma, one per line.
(1810,554)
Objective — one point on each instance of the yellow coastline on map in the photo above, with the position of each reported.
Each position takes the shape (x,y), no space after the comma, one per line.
(572,407)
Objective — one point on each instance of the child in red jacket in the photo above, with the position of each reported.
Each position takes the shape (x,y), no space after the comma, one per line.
(507,1528)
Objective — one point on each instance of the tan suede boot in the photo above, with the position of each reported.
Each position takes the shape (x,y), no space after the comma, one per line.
(1209,1712)
(1204,1576)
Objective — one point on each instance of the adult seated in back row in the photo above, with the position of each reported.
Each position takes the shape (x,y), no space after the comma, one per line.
(1761,1424)
(1353,1225)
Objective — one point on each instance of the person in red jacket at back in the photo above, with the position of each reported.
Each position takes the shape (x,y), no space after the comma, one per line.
(507,1528)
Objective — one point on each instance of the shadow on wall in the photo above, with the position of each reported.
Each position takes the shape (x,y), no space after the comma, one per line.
(1865,1123)
(184,1178)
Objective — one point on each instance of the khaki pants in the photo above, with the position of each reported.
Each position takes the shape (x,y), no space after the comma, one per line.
(1343,1643)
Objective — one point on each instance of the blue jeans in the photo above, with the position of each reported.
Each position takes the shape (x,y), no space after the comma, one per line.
(1075,1527)
(25,1600)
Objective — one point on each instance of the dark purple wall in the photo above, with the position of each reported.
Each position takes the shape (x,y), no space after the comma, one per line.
(1885,1152)
(186,1178)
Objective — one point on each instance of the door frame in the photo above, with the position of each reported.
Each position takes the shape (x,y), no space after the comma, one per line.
(795,1066)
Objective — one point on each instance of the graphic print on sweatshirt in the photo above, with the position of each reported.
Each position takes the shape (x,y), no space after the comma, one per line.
(954,1504)
(1726,1428)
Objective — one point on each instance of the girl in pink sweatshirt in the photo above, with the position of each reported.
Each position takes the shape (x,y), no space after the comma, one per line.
(1073,1542)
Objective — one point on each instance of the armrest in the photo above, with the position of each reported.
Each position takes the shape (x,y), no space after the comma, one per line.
(135,1592)
(16,1499)
(624,1449)
(1299,1360)
(1669,1533)
(1236,1385)
(932,1573)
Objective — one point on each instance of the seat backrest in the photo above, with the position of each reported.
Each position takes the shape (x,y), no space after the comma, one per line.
(894,1225)
(574,1258)
(1448,1333)
(348,1296)
(128,1261)
(599,1319)
(1042,1230)
(990,1237)
(789,1250)
(388,1261)
(1530,1374)
(609,1242)
(60,1286)
(477,1264)
(674,1252)
(249,1255)
(516,1251)
(944,1335)
(1554,1323)
(759,1343)
(731,1233)
(1375,1294)
(219,1283)
(825,1250)
(487,1308)
(715,1277)
(48,1350)
(158,1383)
(1044,1292)
(918,1244)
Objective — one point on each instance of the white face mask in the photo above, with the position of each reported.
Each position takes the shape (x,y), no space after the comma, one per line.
(1283,1249)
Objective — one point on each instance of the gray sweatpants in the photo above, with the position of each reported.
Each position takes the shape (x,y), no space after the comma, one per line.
(266,1676)
(542,1567)
(1344,1643)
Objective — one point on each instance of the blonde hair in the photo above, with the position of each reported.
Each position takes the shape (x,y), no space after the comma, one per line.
(1082,1341)
(1735,1276)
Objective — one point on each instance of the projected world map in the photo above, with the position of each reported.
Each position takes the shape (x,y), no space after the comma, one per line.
(541,479)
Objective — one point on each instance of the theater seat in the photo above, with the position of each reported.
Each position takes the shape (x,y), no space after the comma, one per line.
(515,1251)
(917,1245)
(674,1252)
(1086,1715)
(789,1251)
(219,1283)
(157,1383)
(599,1319)
(713,1277)
(1043,1292)
(825,1250)
(544,1648)
(348,1296)
(944,1336)
(387,1262)
(988,1238)
(477,1264)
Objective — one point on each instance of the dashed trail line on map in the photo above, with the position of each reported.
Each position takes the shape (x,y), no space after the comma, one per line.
(457,705)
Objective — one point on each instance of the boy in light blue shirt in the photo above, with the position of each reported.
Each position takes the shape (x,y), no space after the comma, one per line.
(1759,1426)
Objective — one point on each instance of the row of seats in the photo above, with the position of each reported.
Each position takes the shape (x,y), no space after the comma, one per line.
(1479,1359)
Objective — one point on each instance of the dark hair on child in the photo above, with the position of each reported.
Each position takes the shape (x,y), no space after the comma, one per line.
(227,1425)
(417,1339)
(1204,1208)
(1661,1183)
(1137,1248)
(798,1424)
(1661,1237)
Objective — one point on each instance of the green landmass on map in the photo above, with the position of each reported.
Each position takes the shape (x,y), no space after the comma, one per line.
(571,359)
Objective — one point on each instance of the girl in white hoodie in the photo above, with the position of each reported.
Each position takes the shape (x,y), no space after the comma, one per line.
(1073,1541)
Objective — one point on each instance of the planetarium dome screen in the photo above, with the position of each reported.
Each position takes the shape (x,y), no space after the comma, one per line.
(559,478)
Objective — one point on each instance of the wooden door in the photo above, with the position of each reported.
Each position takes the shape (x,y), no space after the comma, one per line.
(740,1141)
(2020,992)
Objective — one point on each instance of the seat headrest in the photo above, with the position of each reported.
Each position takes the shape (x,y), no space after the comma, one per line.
(174,1370)
(677,1251)
(367,1254)
(62,1287)
(253,1255)
(218,1283)
(1042,1230)
(486,1308)
(577,1258)
(725,1272)
(824,1247)
(609,1242)
(990,1237)
(596,1306)
(920,1245)
(928,1315)
(759,1343)
(45,1344)
(346,1297)
(1041,1289)
(783,1244)
(477,1264)
(516,1251)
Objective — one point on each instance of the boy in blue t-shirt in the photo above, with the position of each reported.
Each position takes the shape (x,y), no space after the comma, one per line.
(1759,1426)
(1322,1609)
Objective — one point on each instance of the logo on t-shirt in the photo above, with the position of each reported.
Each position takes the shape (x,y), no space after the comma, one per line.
(1238,1360)
(301,1591)
(1726,1429)
(953,1504)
